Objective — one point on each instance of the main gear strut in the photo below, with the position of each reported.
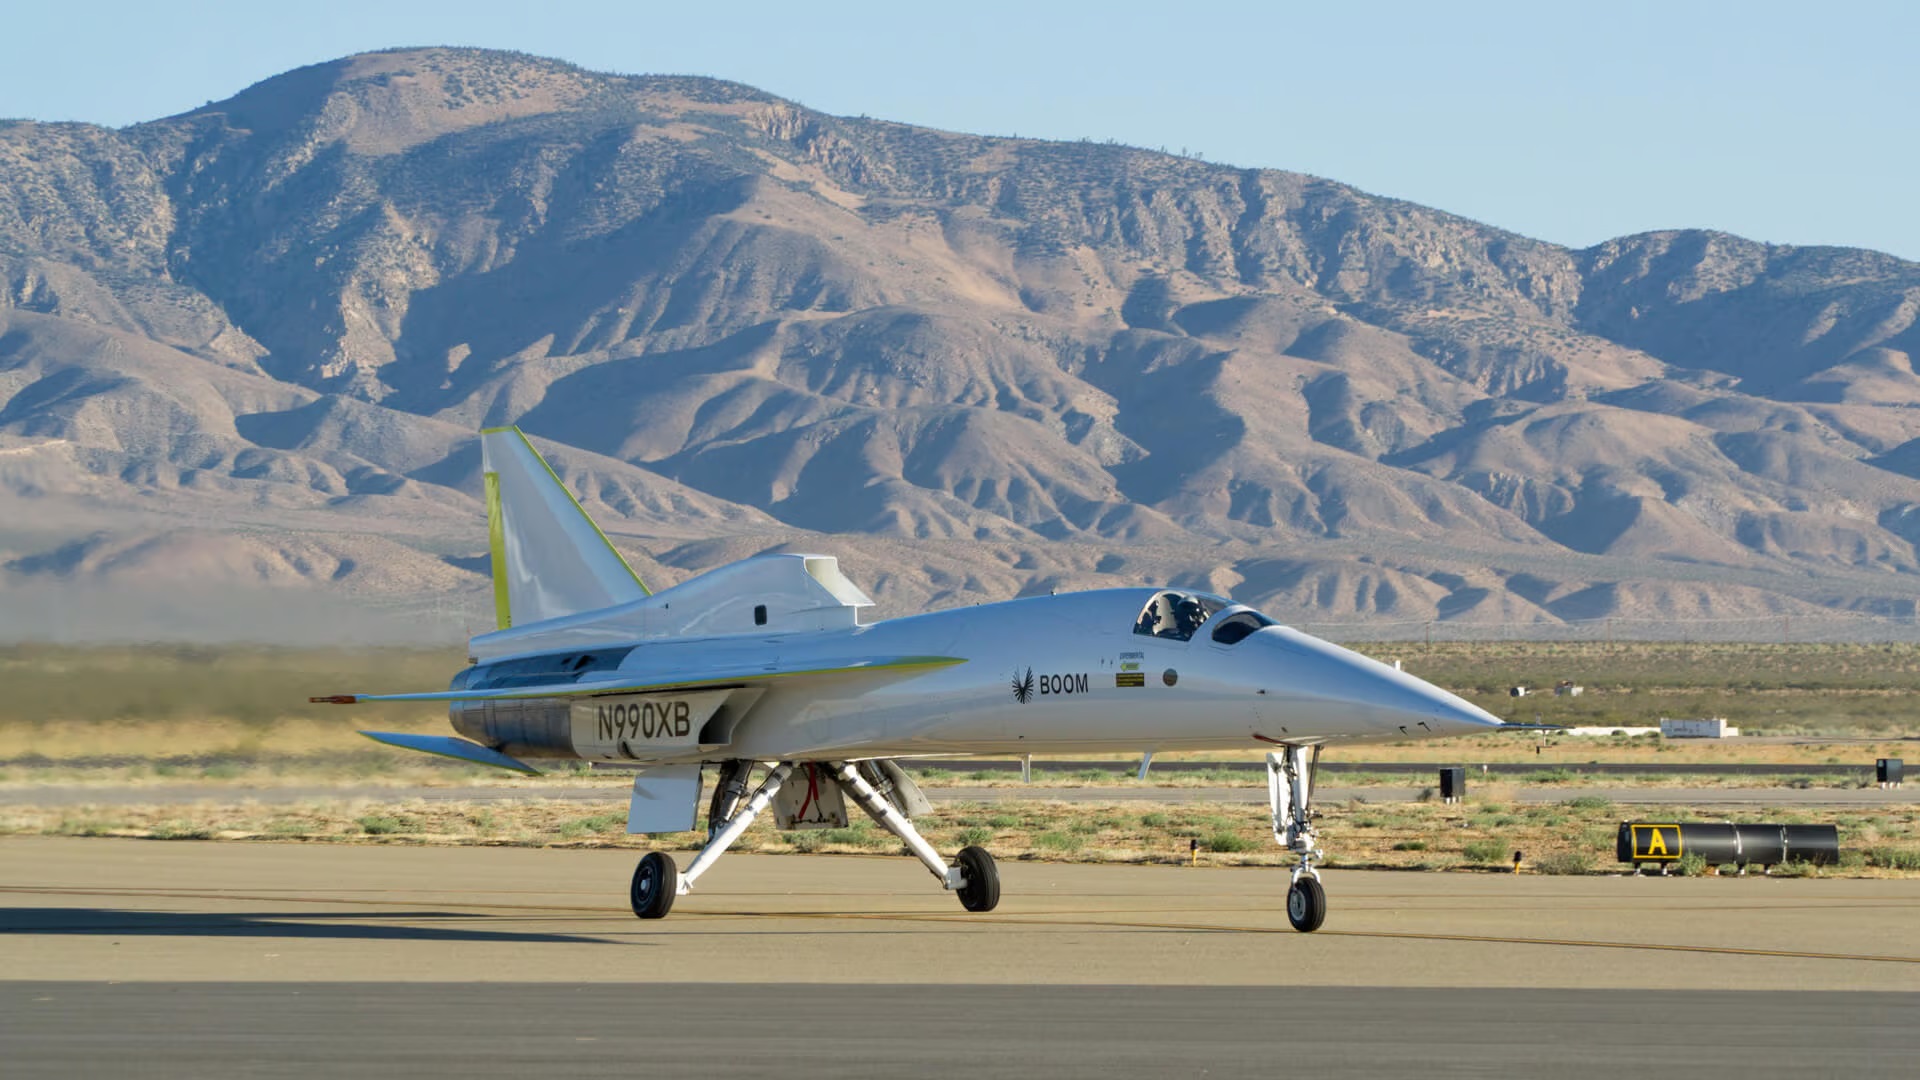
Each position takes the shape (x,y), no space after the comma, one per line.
(973,875)
(656,882)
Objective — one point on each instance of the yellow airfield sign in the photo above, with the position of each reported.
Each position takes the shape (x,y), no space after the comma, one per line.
(1656,841)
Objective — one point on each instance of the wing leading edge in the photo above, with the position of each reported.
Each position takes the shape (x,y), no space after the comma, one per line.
(687,680)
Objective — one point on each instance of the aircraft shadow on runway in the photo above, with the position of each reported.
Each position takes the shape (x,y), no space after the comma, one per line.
(376,926)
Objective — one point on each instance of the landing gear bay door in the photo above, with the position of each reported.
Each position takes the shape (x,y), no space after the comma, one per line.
(655,727)
(810,800)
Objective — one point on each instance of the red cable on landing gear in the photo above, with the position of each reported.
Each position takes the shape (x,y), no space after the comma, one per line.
(813,793)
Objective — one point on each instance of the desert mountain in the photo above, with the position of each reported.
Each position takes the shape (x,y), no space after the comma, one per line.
(248,347)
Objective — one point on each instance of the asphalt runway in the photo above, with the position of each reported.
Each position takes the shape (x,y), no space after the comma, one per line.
(757,1030)
(183,958)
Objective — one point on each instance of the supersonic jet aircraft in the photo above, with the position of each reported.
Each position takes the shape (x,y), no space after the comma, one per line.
(765,663)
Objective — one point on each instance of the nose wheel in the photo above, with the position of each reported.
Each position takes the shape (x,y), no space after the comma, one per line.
(1306,905)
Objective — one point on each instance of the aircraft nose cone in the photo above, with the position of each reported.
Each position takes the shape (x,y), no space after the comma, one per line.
(1382,696)
(1455,711)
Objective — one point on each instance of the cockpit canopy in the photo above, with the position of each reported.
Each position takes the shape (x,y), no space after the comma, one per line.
(1178,616)
(1234,628)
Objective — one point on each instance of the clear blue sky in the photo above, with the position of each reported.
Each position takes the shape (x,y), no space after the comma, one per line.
(1790,123)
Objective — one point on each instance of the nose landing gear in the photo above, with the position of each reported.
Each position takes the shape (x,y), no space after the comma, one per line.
(1289,791)
(1306,904)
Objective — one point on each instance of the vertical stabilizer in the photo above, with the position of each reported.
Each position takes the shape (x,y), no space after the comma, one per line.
(549,558)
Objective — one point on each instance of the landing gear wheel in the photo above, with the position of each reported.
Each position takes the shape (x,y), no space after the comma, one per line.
(1306,905)
(982,890)
(656,881)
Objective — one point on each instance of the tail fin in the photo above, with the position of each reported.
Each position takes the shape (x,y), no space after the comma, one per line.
(549,558)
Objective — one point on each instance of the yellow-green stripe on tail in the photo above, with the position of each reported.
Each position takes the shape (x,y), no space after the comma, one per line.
(549,558)
(497,547)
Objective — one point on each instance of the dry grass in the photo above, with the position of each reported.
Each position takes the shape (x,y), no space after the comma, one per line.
(247,706)
(154,715)
(1818,689)
(1842,690)
(957,776)
(1559,750)
(206,757)
(185,699)
(1572,837)
(354,761)
(144,715)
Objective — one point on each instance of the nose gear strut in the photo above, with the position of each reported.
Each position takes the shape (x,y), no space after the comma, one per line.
(1290,790)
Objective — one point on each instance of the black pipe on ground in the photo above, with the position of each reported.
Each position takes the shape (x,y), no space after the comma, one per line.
(1656,843)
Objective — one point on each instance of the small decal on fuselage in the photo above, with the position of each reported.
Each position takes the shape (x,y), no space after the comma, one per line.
(646,720)
(1023,686)
(1063,684)
(1130,678)
(1026,684)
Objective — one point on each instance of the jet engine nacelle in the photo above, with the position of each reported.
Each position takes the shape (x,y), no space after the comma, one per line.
(534,727)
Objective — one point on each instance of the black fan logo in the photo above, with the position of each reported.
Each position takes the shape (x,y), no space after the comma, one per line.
(1023,687)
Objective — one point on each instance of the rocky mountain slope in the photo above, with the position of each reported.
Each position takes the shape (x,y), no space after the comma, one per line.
(249,346)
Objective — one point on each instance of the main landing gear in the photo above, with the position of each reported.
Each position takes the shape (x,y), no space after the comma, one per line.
(1290,790)
(656,882)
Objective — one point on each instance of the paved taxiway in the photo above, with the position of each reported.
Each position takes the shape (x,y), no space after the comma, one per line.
(490,960)
(757,1030)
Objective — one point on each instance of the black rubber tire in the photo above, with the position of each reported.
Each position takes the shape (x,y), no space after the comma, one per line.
(1306,905)
(982,890)
(656,881)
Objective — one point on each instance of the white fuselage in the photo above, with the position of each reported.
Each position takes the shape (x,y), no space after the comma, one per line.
(1054,674)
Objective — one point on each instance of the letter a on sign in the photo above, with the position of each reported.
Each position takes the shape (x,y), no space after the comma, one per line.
(1650,841)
